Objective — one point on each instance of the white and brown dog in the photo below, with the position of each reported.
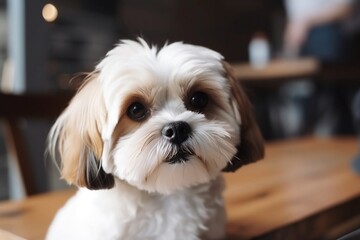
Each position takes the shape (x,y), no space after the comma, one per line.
(146,139)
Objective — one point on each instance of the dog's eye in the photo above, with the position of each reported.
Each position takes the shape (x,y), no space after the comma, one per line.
(137,111)
(198,101)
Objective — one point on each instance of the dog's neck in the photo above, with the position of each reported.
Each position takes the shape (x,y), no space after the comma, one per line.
(128,207)
(136,196)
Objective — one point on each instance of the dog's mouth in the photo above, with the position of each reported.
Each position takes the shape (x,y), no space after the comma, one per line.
(182,156)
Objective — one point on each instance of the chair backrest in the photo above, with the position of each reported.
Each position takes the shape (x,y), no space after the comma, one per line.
(16,107)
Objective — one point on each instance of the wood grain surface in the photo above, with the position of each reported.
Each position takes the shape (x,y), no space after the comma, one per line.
(304,189)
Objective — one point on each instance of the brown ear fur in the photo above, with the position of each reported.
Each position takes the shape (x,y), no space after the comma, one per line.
(251,146)
(77,140)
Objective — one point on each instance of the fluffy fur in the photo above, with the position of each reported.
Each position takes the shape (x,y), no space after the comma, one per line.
(134,182)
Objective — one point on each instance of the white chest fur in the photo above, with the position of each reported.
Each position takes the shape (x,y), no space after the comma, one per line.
(125,212)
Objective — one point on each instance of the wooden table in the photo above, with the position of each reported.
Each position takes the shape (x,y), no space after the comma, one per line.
(277,69)
(304,189)
(263,87)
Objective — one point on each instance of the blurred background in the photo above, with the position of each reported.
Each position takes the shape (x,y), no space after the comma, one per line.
(44,45)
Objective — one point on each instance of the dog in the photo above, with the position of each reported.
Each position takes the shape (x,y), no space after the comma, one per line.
(146,139)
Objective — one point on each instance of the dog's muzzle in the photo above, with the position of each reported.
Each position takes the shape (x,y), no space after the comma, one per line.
(177,133)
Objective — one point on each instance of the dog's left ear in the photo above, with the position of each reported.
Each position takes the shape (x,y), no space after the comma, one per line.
(251,147)
(75,139)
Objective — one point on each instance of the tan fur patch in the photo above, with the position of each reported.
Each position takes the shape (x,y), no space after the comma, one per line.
(81,130)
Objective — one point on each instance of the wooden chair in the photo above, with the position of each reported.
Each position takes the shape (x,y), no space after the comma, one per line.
(13,109)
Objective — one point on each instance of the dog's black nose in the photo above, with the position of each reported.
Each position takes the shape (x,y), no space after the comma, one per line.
(176,132)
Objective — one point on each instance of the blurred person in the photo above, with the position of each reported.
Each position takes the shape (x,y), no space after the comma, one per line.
(315,28)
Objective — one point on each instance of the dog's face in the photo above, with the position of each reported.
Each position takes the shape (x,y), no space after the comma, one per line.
(161,120)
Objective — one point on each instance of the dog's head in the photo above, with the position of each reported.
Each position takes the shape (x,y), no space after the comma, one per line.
(159,119)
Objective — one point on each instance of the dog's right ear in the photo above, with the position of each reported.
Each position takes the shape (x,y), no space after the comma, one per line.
(75,139)
(251,147)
